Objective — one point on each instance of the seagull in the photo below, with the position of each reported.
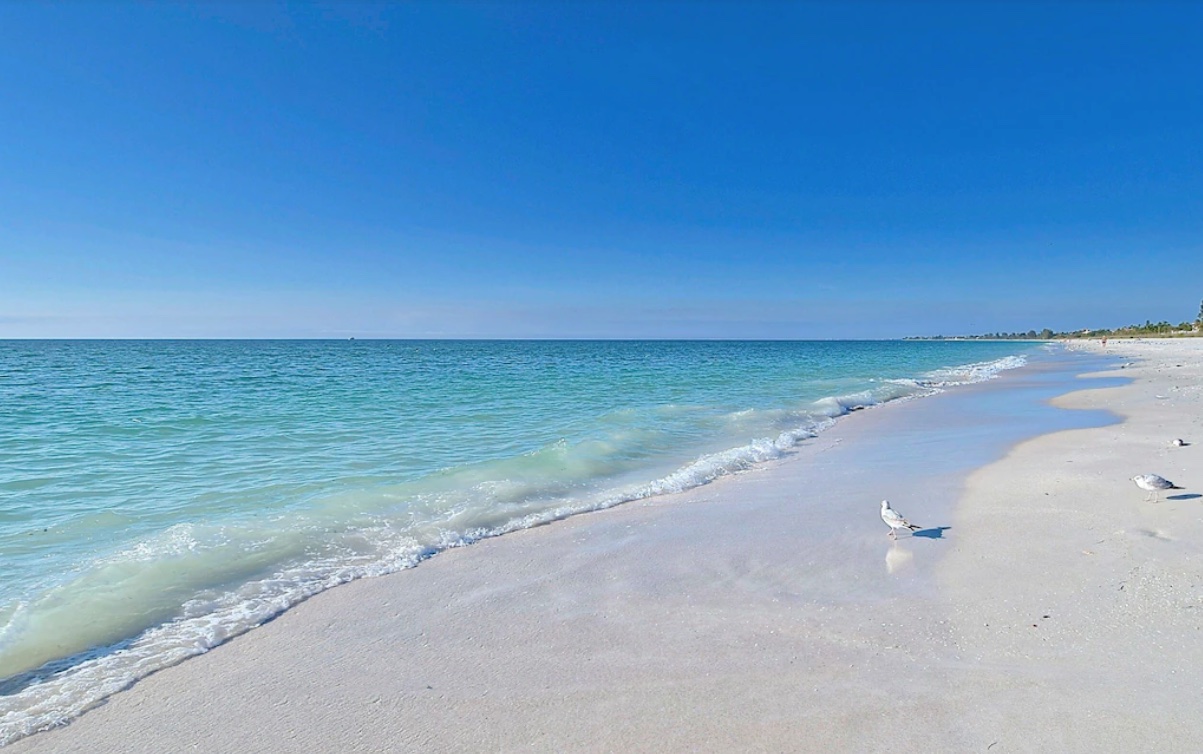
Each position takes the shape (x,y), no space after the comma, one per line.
(1150,483)
(1178,442)
(894,519)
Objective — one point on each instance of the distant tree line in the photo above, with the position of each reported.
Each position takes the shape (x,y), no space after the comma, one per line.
(1148,329)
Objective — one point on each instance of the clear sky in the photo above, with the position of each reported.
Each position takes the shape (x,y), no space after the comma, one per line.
(571,169)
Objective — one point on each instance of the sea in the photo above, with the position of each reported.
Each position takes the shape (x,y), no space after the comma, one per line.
(160,497)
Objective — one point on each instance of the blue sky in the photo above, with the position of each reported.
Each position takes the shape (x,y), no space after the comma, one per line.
(569,169)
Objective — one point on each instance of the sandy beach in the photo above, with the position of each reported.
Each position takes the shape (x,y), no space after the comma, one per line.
(1075,606)
(1043,607)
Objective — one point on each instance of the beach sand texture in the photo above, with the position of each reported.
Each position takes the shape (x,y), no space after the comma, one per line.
(1046,608)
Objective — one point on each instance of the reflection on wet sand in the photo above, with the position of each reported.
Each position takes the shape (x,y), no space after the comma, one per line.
(898,558)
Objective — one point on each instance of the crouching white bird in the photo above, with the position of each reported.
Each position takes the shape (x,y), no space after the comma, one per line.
(1152,484)
(894,519)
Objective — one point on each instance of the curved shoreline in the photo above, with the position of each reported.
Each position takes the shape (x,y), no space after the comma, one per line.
(736,612)
(1073,604)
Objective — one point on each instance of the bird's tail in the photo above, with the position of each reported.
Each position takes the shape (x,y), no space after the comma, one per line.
(912,527)
(1176,487)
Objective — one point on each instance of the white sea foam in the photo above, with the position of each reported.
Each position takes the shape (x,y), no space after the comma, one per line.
(61,690)
(971,373)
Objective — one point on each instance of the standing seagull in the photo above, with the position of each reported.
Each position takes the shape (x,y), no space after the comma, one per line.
(1151,483)
(894,519)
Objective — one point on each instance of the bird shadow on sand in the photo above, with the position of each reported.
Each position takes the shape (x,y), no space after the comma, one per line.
(1188,496)
(932,532)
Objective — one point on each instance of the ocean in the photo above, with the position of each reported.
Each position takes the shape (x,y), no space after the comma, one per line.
(160,497)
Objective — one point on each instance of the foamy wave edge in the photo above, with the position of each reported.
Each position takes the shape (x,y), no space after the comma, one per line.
(54,698)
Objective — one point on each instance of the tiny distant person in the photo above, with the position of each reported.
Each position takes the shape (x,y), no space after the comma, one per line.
(1104,341)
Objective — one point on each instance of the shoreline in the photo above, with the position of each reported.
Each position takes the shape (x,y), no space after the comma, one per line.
(1112,586)
(695,617)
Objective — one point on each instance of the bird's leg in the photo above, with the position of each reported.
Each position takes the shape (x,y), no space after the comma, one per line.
(893,535)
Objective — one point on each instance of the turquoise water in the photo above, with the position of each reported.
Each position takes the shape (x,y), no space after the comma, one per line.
(158,497)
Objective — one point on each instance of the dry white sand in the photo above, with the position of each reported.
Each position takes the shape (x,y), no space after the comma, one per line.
(1058,613)
(1077,608)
